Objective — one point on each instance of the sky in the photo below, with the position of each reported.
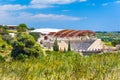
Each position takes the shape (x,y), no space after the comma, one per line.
(96,15)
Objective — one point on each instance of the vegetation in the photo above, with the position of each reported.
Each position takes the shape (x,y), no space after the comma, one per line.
(31,28)
(7,38)
(28,62)
(2,41)
(22,28)
(110,38)
(55,46)
(35,35)
(3,30)
(115,42)
(69,46)
(25,45)
(1,59)
(67,66)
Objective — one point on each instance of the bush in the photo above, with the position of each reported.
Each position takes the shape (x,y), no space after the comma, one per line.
(7,38)
(3,46)
(35,35)
(115,42)
(1,59)
(25,45)
(21,57)
(22,27)
(48,52)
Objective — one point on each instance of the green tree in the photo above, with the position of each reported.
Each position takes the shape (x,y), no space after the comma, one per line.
(3,30)
(26,45)
(35,35)
(2,59)
(115,42)
(69,46)
(22,28)
(64,50)
(55,46)
(31,29)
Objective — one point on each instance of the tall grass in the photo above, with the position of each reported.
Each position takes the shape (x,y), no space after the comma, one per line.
(63,66)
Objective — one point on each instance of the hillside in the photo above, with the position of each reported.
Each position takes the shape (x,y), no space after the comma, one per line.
(2,41)
(54,65)
(66,66)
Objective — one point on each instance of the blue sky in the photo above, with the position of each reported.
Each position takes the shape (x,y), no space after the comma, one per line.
(96,15)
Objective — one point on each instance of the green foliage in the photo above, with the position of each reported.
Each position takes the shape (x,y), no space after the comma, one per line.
(108,44)
(115,42)
(48,52)
(69,46)
(1,59)
(65,50)
(22,28)
(7,38)
(3,30)
(2,42)
(22,57)
(3,46)
(60,66)
(31,28)
(55,46)
(110,38)
(26,45)
(35,35)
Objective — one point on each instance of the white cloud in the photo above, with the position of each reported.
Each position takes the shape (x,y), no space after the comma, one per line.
(66,10)
(111,3)
(117,1)
(49,3)
(7,17)
(39,6)
(83,0)
(55,17)
(52,1)
(12,7)
(105,4)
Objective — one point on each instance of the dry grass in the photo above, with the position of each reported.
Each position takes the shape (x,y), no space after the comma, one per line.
(66,66)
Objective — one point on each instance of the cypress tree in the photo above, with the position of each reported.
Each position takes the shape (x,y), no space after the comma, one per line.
(64,50)
(69,46)
(55,46)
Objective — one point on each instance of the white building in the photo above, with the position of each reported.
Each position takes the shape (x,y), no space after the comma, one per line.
(80,40)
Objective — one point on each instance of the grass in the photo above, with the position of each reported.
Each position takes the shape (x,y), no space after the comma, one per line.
(2,41)
(63,66)
(12,31)
(7,50)
(108,44)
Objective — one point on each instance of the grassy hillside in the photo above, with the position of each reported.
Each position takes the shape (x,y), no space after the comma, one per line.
(63,66)
(2,41)
(4,51)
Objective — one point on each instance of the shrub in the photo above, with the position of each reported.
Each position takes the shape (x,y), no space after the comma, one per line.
(7,38)
(21,57)
(22,28)
(3,46)
(1,59)
(115,42)
(35,35)
(48,52)
(25,45)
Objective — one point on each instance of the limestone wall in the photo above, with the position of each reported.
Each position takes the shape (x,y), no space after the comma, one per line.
(63,45)
(97,45)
